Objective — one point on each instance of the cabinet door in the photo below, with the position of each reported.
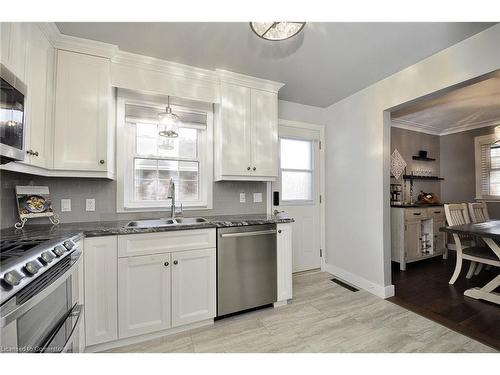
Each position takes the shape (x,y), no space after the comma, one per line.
(39,75)
(439,237)
(83,96)
(143,294)
(101,324)
(234,130)
(284,260)
(193,286)
(264,133)
(412,240)
(13,50)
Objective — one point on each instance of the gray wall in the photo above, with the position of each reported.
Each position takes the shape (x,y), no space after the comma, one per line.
(300,112)
(409,143)
(458,167)
(226,198)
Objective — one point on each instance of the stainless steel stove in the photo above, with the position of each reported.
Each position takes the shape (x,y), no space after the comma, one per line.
(39,309)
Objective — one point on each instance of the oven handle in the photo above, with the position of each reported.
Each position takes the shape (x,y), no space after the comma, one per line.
(15,311)
(248,234)
(75,315)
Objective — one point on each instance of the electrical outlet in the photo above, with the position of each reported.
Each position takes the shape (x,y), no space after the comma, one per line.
(257,197)
(90,204)
(65,205)
(243,198)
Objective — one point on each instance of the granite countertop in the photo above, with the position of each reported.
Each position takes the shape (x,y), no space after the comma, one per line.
(415,205)
(118,227)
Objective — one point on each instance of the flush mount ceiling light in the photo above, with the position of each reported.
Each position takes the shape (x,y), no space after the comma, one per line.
(169,122)
(276,30)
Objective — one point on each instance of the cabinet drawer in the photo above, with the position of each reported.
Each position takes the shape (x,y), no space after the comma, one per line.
(415,213)
(165,242)
(436,212)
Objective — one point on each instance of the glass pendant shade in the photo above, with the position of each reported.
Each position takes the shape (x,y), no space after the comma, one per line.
(276,30)
(169,123)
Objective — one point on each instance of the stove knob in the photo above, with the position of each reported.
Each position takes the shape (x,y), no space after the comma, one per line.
(59,250)
(32,267)
(68,244)
(47,256)
(13,278)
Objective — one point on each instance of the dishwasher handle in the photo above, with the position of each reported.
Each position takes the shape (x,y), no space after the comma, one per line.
(248,234)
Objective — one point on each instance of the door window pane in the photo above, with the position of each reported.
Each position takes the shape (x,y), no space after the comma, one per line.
(296,185)
(296,154)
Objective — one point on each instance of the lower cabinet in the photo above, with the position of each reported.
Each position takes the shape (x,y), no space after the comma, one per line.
(284,261)
(412,239)
(193,286)
(143,294)
(101,314)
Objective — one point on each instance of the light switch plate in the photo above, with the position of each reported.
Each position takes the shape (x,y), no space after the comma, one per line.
(243,198)
(90,204)
(257,197)
(65,205)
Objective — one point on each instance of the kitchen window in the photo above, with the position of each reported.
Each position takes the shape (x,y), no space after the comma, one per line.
(487,153)
(147,161)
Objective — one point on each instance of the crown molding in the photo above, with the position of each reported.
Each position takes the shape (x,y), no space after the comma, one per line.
(90,47)
(248,81)
(164,66)
(50,30)
(421,128)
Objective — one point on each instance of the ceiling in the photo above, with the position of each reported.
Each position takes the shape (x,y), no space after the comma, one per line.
(473,106)
(325,63)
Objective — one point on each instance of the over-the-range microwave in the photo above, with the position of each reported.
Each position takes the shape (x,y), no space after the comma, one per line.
(12,94)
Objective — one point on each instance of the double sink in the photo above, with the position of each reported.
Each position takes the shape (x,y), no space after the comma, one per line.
(154,223)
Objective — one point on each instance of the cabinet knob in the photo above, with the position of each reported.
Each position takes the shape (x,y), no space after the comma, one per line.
(35,153)
(101,161)
(248,168)
(176,262)
(29,152)
(279,230)
(166,264)
(254,168)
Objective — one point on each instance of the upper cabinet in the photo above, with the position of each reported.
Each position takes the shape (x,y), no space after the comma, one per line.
(84,121)
(246,129)
(14,44)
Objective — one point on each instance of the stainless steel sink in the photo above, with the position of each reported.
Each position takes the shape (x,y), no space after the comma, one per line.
(155,223)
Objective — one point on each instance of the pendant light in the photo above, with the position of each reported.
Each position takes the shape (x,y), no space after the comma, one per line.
(169,122)
(497,134)
(276,30)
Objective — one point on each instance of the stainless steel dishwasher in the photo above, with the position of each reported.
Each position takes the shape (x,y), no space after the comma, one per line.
(246,267)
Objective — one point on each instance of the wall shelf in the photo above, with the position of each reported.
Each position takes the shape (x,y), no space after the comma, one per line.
(430,178)
(421,158)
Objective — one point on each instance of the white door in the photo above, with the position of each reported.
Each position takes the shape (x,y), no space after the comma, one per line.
(143,294)
(193,286)
(264,134)
(299,186)
(100,254)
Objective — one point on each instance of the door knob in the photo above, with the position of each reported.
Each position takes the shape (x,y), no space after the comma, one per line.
(176,262)
(166,264)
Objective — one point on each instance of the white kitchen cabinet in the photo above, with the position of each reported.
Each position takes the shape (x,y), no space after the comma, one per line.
(83,128)
(284,261)
(264,133)
(40,64)
(100,262)
(246,133)
(13,51)
(193,286)
(143,294)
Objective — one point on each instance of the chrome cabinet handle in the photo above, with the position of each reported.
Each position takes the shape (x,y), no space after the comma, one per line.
(248,234)
(166,264)
(176,262)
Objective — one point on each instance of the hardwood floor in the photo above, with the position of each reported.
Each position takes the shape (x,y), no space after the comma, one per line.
(424,289)
(323,317)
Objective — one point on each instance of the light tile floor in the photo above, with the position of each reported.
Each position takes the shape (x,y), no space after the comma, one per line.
(323,317)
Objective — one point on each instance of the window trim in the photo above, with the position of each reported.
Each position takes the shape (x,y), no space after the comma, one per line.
(478,142)
(298,202)
(124,168)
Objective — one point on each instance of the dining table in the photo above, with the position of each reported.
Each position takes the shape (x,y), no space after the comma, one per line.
(489,232)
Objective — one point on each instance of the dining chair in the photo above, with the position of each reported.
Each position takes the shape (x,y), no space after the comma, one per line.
(478,212)
(466,248)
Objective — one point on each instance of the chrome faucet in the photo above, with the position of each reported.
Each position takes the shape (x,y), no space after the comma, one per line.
(171,196)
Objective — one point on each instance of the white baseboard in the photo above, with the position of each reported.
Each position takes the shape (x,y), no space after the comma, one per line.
(360,282)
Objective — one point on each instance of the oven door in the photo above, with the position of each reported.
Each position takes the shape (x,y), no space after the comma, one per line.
(45,316)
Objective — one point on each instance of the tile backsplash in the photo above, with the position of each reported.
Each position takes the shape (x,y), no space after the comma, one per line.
(226,199)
